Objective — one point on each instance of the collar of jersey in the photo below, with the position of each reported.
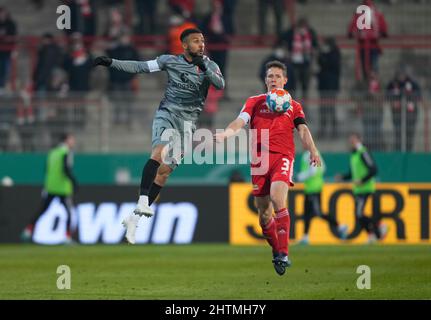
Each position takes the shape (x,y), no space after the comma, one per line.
(184,57)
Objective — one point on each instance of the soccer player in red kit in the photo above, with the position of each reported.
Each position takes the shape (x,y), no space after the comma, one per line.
(271,186)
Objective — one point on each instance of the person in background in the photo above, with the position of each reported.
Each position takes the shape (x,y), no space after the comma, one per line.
(49,57)
(59,182)
(404,94)
(8,30)
(279,53)
(313,180)
(120,83)
(363,171)
(329,61)
(301,43)
(368,38)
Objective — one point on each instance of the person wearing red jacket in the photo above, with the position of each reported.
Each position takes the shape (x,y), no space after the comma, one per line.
(368,38)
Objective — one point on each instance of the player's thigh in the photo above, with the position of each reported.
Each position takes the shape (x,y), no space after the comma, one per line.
(157,151)
(281,172)
(281,169)
(186,129)
(278,194)
(164,129)
(261,185)
(263,203)
(166,140)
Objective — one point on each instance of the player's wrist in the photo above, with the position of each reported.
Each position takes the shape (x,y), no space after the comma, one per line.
(314,151)
(229,132)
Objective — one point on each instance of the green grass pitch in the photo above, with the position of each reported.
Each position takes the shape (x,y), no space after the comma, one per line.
(213,271)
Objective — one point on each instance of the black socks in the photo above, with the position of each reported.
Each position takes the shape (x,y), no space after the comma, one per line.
(154,192)
(148,174)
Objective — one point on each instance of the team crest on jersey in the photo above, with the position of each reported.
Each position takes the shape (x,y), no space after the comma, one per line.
(185,77)
(186,84)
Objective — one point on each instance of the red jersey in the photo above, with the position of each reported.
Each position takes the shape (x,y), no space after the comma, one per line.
(280,125)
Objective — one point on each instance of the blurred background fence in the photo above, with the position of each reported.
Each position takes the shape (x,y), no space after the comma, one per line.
(123,123)
(50,87)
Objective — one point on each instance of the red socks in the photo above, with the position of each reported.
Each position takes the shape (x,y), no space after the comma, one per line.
(282,221)
(270,234)
(276,232)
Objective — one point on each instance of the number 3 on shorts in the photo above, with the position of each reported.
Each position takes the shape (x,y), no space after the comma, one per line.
(286,165)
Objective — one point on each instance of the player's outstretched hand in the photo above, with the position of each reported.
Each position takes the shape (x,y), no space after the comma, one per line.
(102,61)
(219,137)
(315,159)
(199,61)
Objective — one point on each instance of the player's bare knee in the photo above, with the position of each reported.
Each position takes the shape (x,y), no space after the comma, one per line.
(278,202)
(156,157)
(262,206)
(265,216)
(156,153)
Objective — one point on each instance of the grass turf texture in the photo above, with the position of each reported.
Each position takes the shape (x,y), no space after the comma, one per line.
(213,271)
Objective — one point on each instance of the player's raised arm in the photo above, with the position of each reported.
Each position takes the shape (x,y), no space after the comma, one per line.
(131,66)
(231,130)
(215,76)
(308,143)
(239,123)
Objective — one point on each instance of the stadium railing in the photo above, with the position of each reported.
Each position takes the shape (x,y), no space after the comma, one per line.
(33,123)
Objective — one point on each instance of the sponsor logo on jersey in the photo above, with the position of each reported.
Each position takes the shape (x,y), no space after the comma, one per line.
(186,84)
(265,108)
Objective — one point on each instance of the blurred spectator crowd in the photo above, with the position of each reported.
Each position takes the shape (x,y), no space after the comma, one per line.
(63,64)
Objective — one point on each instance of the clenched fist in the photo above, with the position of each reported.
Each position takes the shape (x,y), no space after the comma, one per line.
(102,61)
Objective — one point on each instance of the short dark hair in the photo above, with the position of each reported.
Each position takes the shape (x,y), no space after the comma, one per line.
(276,64)
(188,32)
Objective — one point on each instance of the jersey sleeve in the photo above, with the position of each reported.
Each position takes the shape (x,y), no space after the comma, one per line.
(298,115)
(298,112)
(247,110)
(162,61)
(149,66)
(215,76)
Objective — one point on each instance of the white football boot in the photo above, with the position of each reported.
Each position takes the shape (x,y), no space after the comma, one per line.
(131,223)
(142,208)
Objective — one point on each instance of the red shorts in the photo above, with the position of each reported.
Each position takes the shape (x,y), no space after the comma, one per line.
(280,169)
